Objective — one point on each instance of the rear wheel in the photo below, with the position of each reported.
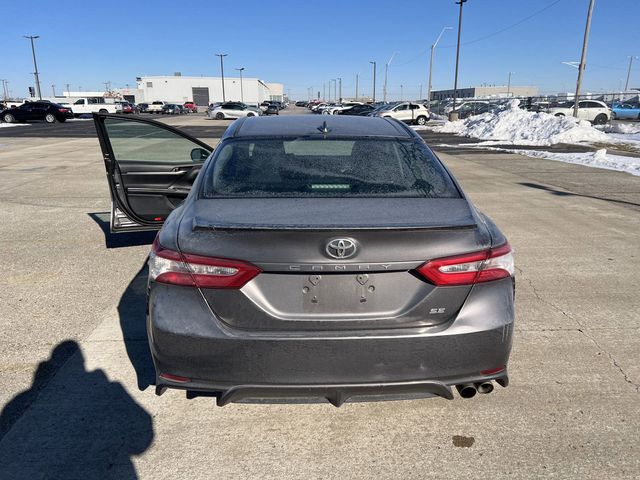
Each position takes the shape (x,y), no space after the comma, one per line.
(103,110)
(421,120)
(8,118)
(251,114)
(220,116)
(600,119)
(50,118)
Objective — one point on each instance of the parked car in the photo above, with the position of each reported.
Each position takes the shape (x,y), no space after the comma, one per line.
(143,107)
(191,107)
(127,107)
(32,111)
(171,109)
(87,105)
(625,111)
(407,112)
(292,271)
(272,110)
(469,109)
(232,110)
(359,110)
(301,103)
(156,107)
(594,111)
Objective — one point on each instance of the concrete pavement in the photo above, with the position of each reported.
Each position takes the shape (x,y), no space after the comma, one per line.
(87,411)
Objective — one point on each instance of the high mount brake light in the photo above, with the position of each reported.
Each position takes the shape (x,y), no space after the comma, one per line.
(169,266)
(477,267)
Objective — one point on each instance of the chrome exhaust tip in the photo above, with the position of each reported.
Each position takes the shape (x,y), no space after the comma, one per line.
(466,390)
(484,387)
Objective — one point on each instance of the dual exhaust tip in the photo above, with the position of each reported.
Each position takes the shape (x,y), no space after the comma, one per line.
(469,390)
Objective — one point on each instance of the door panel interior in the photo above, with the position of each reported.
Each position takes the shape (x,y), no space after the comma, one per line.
(150,167)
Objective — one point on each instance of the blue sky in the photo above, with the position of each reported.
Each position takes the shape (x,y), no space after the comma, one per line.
(305,43)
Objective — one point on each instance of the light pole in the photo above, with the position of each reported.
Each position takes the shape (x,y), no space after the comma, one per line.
(222,55)
(626,85)
(241,92)
(374,81)
(335,89)
(356,87)
(454,113)
(4,89)
(386,70)
(583,58)
(509,85)
(35,64)
(340,90)
(53,90)
(433,47)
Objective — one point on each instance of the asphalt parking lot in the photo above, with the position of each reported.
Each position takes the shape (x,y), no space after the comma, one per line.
(75,377)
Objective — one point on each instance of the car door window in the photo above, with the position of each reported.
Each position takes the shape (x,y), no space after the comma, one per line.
(79,102)
(400,108)
(142,142)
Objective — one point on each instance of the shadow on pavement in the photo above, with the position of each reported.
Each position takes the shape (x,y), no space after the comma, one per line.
(132,310)
(118,240)
(81,426)
(562,193)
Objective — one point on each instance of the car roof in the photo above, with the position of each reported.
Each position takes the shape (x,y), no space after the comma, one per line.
(305,125)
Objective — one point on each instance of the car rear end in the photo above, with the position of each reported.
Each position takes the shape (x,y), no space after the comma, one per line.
(293,271)
(61,112)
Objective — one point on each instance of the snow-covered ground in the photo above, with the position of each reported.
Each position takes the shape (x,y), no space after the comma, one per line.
(6,125)
(599,158)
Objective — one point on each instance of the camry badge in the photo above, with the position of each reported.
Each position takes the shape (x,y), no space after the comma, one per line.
(341,248)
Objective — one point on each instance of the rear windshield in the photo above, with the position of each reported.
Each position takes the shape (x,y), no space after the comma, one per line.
(306,167)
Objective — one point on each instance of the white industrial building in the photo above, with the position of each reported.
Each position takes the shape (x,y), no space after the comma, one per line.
(202,90)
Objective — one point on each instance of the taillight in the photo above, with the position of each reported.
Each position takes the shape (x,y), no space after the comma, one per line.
(169,266)
(477,267)
(62,110)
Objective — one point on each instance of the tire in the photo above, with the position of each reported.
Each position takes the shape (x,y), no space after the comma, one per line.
(50,118)
(559,114)
(251,114)
(421,120)
(103,110)
(600,119)
(220,116)
(8,118)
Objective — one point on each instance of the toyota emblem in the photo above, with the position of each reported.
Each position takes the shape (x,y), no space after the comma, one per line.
(341,248)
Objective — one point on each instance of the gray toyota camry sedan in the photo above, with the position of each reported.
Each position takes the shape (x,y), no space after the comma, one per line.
(333,258)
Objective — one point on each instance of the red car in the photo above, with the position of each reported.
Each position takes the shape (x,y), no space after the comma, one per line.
(190,107)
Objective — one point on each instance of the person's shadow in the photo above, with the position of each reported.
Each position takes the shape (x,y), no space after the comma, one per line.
(80,426)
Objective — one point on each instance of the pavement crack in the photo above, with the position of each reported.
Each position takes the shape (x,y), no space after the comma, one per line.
(580,328)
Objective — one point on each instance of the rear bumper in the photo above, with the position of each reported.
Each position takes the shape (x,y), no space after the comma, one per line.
(188,341)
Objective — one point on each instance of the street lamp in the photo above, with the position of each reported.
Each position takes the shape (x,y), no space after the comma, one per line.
(222,55)
(509,84)
(35,65)
(335,89)
(386,69)
(374,81)
(433,47)
(583,58)
(356,87)
(241,92)
(340,90)
(454,113)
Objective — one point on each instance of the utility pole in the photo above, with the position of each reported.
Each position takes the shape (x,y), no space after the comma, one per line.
(386,70)
(356,87)
(374,81)
(68,91)
(241,92)
(583,58)
(454,114)
(35,64)
(340,91)
(509,85)
(106,86)
(626,85)
(222,55)
(433,47)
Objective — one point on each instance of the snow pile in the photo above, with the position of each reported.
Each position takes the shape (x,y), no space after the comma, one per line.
(599,159)
(519,127)
(6,125)
(624,128)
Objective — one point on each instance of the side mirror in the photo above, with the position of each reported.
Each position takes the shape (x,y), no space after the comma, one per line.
(198,154)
